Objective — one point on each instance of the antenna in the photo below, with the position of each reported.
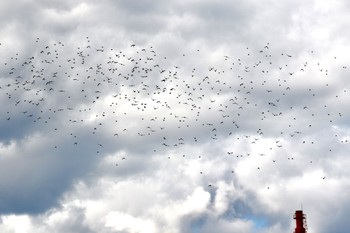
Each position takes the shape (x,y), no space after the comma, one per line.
(300,219)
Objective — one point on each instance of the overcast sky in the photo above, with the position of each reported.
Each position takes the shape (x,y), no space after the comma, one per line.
(174,116)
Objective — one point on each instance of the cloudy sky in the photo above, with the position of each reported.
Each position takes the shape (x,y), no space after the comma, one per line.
(174,116)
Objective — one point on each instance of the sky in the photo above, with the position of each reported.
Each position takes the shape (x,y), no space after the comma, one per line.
(172,116)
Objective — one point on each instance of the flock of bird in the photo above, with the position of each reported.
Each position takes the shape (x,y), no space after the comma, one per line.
(138,96)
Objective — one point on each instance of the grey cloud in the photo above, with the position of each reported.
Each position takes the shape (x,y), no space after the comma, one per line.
(33,181)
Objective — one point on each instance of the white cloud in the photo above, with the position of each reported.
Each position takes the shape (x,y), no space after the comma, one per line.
(223,116)
(121,221)
(15,224)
